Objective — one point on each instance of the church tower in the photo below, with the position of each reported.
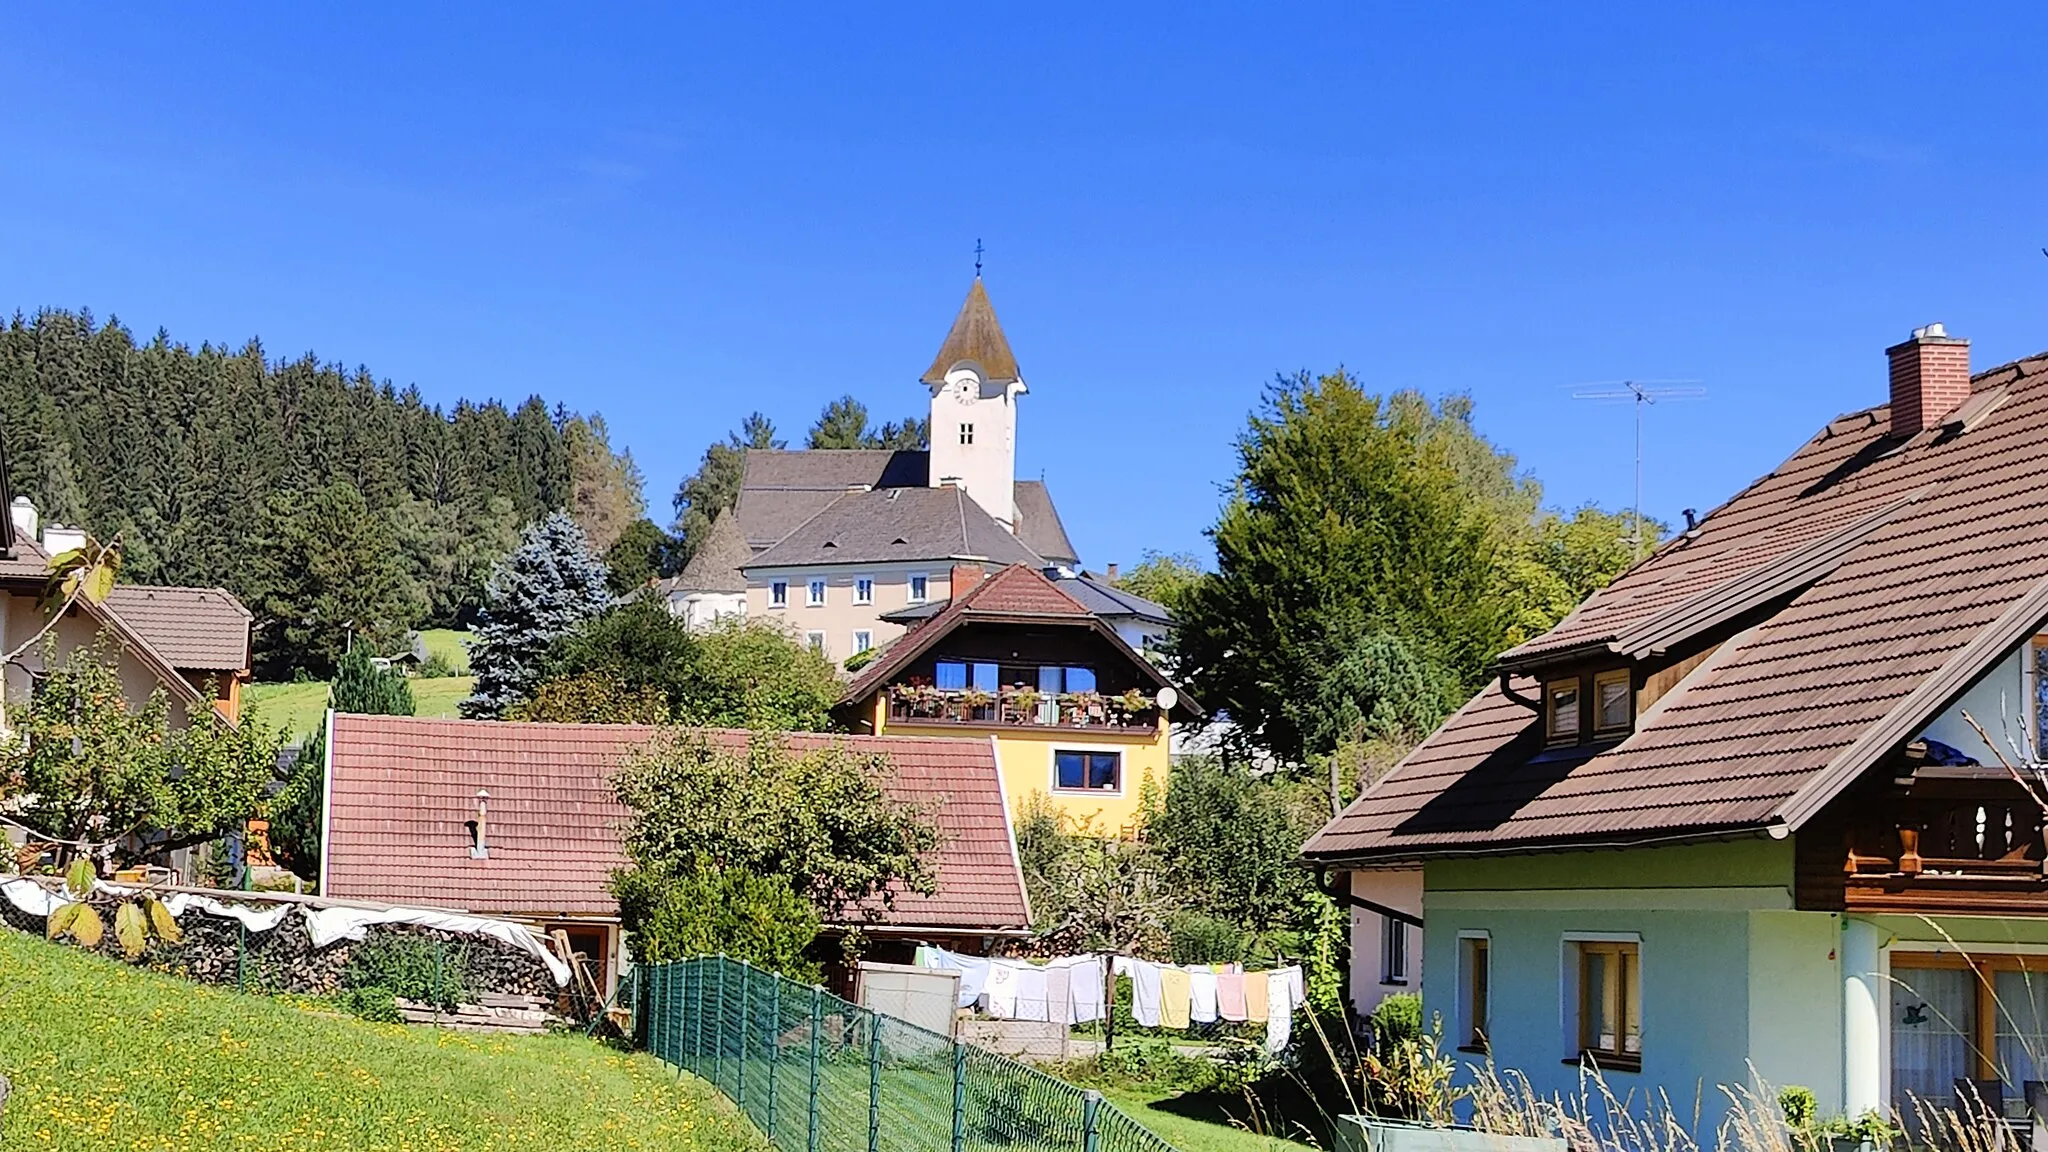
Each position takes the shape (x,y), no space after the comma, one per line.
(975,384)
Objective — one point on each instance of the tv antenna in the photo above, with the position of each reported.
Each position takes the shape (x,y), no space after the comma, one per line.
(1640,394)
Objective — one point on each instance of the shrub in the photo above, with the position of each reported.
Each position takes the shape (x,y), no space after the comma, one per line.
(1199,938)
(438,666)
(1798,1105)
(409,966)
(1398,1018)
(758,919)
(375,1003)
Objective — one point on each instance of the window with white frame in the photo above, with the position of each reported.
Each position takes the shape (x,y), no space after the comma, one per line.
(920,587)
(863,589)
(1475,977)
(1075,771)
(816,640)
(862,641)
(1608,1000)
(778,593)
(814,592)
(1393,951)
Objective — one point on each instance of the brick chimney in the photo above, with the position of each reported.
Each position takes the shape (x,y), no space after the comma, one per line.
(1930,377)
(965,576)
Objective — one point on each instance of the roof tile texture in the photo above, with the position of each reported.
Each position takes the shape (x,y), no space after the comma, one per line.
(1774,706)
(401,789)
(203,629)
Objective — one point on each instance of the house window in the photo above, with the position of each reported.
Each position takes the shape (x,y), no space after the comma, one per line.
(1087,771)
(1610,1000)
(1393,951)
(958,676)
(1056,679)
(1561,711)
(862,641)
(1613,702)
(919,583)
(814,593)
(816,640)
(967,433)
(778,594)
(2040,671)
(863,590)
(1475,954)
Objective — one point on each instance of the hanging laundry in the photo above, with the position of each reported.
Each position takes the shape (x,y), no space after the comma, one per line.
(1174,983)
(1296,986)
(1145,992)
(1255,985)
(1280,1008)
(1084,984)
(1059,996)
(1002,992)
(1202,994)
(1031,981)
(973,972)
(1230,995)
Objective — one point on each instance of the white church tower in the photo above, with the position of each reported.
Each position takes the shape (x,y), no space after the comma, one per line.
(975,385)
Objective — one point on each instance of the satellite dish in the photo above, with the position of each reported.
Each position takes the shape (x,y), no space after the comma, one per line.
(1166,699)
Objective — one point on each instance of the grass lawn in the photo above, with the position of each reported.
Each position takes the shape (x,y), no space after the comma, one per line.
(1194,1123)
(105,1057)
(300,707)
(450,644)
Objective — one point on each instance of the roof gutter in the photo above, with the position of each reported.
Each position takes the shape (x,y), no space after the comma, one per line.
(1342,894)
(1397,857)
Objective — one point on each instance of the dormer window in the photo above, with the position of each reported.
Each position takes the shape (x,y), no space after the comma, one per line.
(1561,711)
(1613,703)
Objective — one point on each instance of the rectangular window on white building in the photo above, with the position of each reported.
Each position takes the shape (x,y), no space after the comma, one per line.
(967,433)
(862,641)
(920,587)
(1609,995)
(816,640)
(1393,951)
(778,593)
(814,593)
(863,589)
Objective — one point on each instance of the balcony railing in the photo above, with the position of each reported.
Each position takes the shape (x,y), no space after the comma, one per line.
(1023,707)
(1954,843)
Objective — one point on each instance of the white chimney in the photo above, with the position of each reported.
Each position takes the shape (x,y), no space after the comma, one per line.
(57,539)
(23,513)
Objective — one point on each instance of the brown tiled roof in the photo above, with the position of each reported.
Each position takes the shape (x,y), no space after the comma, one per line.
(1018,593)
(715,567)
(897,525)
(402,787)
(29,570)
(197,629)
(975,336)
(1942,568)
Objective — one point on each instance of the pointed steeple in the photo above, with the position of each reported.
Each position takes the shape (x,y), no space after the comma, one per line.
(978,337)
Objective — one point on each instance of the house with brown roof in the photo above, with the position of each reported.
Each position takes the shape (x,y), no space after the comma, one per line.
(193,643)
(519,821)
(1769,801)
(1013,659)
(836,538)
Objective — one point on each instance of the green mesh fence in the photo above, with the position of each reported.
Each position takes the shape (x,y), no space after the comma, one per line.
(820,1074)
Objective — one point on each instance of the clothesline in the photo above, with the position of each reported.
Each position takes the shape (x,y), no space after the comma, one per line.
(1070,990)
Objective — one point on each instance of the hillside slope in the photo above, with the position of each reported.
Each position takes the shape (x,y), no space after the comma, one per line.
(104,1056)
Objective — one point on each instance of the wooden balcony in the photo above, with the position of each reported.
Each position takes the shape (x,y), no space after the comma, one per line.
(1953,840)
(914,704)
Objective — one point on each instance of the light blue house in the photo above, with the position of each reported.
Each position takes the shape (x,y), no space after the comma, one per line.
(1735,813)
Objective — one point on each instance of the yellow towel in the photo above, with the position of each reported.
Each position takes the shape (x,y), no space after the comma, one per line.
(1174,987)
(1255,996)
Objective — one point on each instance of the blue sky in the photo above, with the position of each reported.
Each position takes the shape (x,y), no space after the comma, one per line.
(676,217)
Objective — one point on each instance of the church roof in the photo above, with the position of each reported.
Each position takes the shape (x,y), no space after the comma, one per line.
(978,337)
(898,525)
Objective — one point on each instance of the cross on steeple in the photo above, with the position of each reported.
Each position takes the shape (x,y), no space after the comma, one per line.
(977,257)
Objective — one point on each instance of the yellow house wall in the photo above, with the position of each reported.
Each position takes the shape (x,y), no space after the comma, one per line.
(1025,756)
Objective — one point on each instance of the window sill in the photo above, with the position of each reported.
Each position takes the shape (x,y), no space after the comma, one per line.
(1104,793)
(1399,983)
(1605,1062)
(1474,1049)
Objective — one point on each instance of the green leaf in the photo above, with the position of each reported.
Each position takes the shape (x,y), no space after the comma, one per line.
(61,920)
(160,919)
(79,880)
(87,928)
(130,929)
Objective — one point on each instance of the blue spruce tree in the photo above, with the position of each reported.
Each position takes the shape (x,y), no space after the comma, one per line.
(544,589)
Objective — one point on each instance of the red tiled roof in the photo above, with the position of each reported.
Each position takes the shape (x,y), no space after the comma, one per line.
(1835,669)
(401,789)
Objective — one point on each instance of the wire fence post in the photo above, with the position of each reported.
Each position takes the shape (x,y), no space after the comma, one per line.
(746,1031)
(959,1096)
(241,957)
(718,1034)
(1091,1121)
(774,1048)
(874,1082)
(817,1032)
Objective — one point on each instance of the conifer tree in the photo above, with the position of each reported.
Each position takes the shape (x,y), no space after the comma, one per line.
(543,590)
(295,814)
